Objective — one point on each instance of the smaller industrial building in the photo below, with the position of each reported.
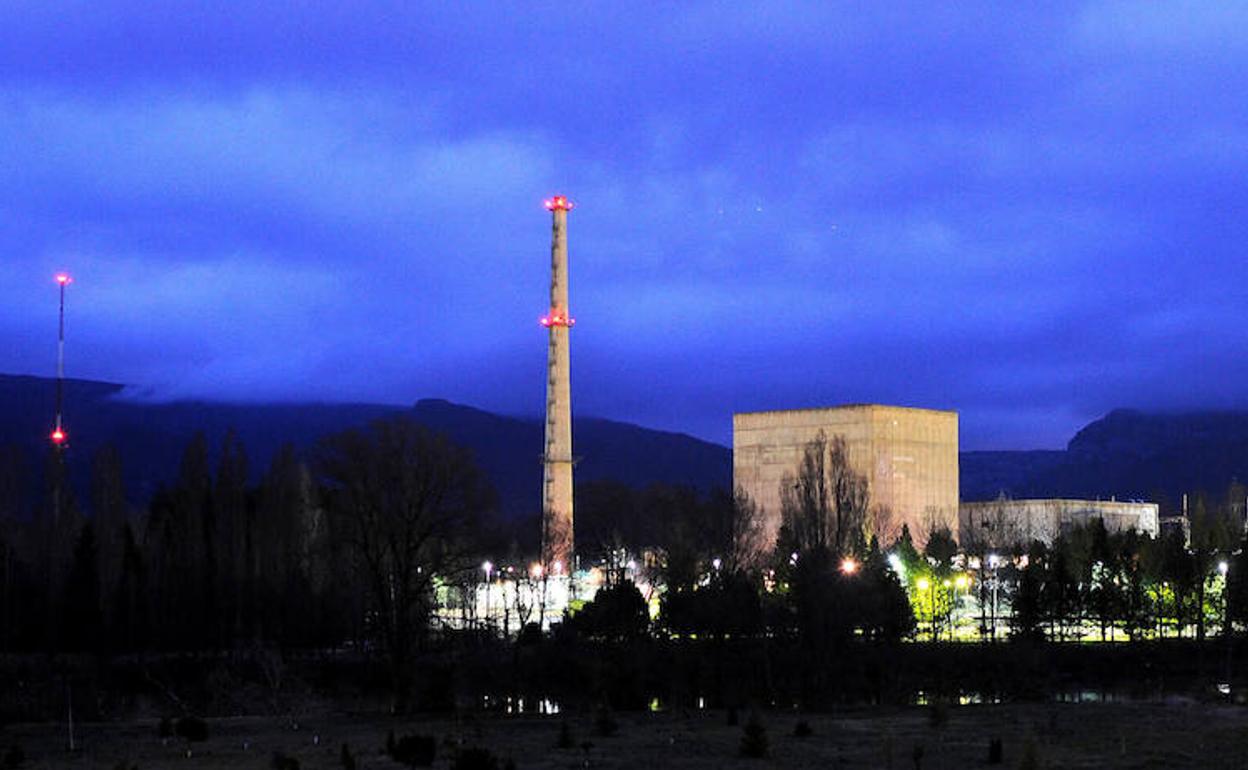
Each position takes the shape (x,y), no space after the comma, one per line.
(1004,524)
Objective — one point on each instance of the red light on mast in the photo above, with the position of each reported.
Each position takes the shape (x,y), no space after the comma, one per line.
(556,319)
(58,437)
(63,278)
(559,203)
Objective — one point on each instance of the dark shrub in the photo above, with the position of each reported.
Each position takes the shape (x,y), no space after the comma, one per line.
(802,729)
(938,714)
(1031,756)
(165,728)
(995,752)
(604,721)
(475,759)
(754,738)
(530,635)
(415,750)
(192,729)
(733,719)
(917,756)
(14,757)
(565,737)
(390,743)
(345,758)
(728,606)
(617,613)
(283,762)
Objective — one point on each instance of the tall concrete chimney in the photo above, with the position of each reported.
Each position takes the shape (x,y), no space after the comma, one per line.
(557,553)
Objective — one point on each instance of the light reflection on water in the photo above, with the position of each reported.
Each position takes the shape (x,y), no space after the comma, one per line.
(518,704)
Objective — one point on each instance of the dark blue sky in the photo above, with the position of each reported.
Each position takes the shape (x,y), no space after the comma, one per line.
(1028,216)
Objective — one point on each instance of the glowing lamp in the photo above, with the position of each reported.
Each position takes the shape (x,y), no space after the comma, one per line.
(557,319)
(559,203)
(63,278)
(922,584)
(58,436)
(961,581)
(848,566)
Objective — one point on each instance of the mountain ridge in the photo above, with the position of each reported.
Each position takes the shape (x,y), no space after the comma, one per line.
(150,437)
(1128,453)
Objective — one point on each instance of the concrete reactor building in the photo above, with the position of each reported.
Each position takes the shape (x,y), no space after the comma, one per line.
(909,458)
(1004,524)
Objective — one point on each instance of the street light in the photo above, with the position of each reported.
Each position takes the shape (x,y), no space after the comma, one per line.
(924,584)
(994,561)
(1223,568)
(948,584)
(894,561)
(848,566)
(487,568)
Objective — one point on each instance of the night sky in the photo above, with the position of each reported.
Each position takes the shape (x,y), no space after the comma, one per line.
(1029,216)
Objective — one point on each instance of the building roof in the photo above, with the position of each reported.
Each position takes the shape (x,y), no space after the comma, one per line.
(846,407)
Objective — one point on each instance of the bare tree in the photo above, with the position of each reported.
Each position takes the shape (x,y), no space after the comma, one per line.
(748,534)
(994,529)
(824,507)
(400,499)
(883,524)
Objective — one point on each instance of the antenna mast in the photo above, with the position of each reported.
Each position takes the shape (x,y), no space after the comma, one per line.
(58,432)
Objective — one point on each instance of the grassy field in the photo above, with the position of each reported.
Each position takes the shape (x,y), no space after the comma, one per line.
(1180,734)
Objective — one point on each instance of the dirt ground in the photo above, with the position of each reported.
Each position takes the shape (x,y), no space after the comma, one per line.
(1177,734)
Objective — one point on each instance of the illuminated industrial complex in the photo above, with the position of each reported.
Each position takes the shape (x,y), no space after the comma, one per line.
(908,458)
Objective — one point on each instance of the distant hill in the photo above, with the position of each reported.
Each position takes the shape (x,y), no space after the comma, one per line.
(1126,454)
(151,436)
(509,449)
(985,475)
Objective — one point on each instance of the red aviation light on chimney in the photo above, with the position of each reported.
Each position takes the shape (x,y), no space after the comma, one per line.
(63,278)
(557,320)
(559,203)
(58,437)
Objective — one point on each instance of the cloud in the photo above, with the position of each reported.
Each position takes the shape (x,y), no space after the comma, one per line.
(1028,215)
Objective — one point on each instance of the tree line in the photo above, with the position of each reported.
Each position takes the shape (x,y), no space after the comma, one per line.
(338,548)
(829,580)
(346,548)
